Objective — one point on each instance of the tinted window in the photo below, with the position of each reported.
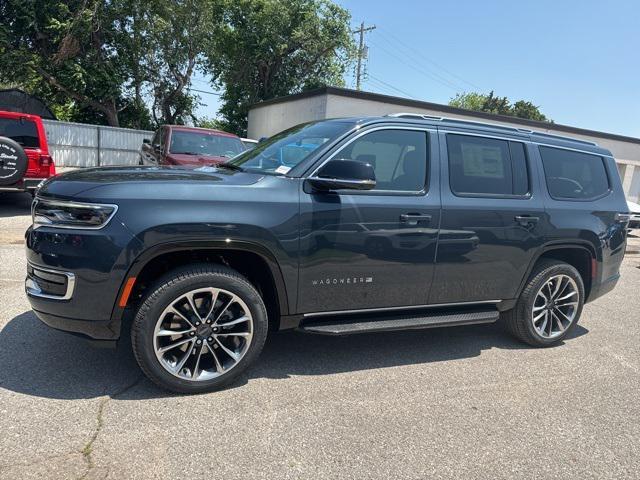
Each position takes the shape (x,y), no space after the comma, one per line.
(204,143)
(398,157)
(487,166)
(21,130)
(573,174)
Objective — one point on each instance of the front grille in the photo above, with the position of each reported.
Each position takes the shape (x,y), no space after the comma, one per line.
(43,282)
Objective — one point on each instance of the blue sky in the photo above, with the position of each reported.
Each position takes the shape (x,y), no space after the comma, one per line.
(578,60)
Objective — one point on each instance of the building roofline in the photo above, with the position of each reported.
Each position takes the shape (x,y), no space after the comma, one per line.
(407,102)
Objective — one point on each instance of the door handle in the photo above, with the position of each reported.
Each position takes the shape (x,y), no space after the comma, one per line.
(414,218)
(526,220)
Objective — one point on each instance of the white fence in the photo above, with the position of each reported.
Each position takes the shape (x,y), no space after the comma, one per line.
(80,145)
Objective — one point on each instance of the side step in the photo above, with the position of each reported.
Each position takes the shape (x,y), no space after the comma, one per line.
(346,325)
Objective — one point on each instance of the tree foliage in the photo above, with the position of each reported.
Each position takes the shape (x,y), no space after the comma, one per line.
(271,48)
(99,60)
(131,62)
(491,103)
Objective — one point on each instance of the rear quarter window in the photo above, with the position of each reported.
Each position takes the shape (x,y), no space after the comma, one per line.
(574,175)
(20,130)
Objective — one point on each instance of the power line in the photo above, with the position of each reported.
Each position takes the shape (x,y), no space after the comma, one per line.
(388,34)
(203,91)
(392,87)
(411,64)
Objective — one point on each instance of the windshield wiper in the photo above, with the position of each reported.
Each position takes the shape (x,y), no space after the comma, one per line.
(229,166)
(186,153)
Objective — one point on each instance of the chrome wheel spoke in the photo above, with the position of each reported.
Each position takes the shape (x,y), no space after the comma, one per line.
(544,323)
(177,312)
(235,322)
(174,345)
(192,305)
(194,374)
(184,359)
(212,350)
(230,302)
(171,333)
(184,342)
(558,321)
(228,351)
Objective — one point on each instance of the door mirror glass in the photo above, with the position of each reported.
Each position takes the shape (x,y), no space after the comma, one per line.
(340,174)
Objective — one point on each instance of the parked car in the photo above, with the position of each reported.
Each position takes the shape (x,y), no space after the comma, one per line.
(478,222)
(634,208)
(249,143)
(24,154)
(189,146)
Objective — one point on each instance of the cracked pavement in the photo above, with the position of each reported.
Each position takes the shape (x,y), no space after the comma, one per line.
(465,402)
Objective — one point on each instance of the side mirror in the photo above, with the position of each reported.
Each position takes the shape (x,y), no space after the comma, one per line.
(341,174)
(156,147)
(146,140)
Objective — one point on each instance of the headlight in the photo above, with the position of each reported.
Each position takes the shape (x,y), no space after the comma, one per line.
(64,214)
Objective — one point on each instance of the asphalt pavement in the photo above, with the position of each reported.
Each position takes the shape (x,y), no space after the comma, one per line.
(464,402)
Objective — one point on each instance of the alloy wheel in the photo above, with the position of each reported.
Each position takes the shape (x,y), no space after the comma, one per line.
(203,334)
(555,306)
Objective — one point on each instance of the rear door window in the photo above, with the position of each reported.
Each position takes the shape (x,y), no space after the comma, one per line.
(574,175)
(20,130)
(487,166)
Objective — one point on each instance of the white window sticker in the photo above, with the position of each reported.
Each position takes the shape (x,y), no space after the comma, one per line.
(282,169)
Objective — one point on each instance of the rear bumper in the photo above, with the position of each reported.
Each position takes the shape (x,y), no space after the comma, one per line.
(602,288)
(24,185)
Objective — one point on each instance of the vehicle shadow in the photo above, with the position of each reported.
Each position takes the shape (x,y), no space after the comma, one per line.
(15,204)
(39,361)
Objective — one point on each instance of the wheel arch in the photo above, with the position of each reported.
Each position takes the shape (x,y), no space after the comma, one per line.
(267,277)
(580,254)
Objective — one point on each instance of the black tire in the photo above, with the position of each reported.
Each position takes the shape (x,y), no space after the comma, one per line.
(13,161)
(172,286)
(518,321)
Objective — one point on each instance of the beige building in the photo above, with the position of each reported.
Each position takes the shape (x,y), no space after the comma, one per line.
(273,116)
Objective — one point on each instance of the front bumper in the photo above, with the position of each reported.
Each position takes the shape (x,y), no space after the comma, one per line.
(74,277)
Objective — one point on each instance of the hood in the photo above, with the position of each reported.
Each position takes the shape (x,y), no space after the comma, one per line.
(194,160)
(73,183)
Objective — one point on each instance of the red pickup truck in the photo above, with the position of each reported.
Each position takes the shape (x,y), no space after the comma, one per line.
(24,154)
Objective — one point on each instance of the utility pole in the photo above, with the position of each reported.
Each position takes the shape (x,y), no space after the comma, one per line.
(361,31)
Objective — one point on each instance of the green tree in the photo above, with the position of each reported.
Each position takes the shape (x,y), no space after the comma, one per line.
(491,103)
(271,48)
(100,60)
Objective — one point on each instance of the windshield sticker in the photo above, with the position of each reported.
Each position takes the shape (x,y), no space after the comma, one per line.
(282,169)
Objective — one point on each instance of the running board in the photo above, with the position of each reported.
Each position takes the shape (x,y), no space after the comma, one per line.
(346,325)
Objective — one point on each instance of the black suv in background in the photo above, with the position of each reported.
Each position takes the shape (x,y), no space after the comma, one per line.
(333,227)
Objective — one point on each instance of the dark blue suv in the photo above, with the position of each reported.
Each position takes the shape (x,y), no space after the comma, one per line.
(333,227)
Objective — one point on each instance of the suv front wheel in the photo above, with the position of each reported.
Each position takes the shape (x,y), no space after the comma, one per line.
(199,328)
(549,306)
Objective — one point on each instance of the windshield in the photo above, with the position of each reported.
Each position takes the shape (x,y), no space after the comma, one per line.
(204,143)
(283,151)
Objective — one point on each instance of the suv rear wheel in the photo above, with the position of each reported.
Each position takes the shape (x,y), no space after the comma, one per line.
(550,305)
(199,328)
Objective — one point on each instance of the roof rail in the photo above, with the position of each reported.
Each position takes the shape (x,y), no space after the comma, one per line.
(421,116)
